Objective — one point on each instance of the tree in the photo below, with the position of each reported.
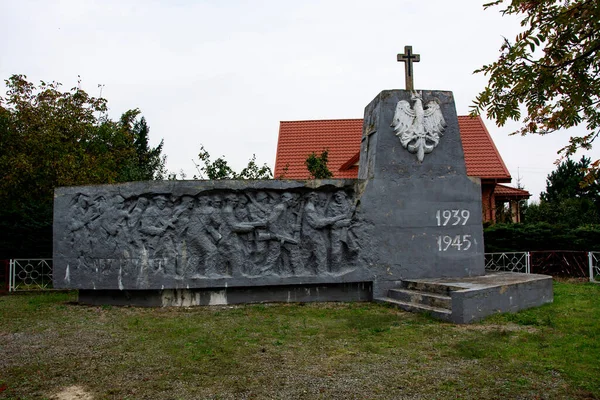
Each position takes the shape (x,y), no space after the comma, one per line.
(51,138)
(148,163)
(566,201)
(565,182)
(220,169)
(317,166)
(552,69)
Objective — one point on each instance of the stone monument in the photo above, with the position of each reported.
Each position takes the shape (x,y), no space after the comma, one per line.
(407,231)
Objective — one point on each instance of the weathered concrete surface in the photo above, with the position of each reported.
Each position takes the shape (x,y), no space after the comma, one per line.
(470,299)
(496,293)
(352,291)
(408,201)
(196,234)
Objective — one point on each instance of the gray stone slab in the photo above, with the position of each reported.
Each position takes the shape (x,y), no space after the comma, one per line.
(195,234)
(351,291)
(474,298)
(427,213)
(498,293)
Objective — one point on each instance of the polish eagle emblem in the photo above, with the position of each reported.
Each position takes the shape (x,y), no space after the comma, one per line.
(418,128)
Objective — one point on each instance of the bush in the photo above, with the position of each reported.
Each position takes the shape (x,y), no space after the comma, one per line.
(540,236)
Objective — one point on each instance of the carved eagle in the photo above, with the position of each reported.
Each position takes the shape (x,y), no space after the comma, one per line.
(419,129)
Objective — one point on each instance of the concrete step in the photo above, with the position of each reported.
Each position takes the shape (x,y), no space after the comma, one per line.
(439,313)
(423,298)
(429,287)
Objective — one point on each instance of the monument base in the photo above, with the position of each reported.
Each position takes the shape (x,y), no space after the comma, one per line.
(349,291)
(458,300)
(470,299)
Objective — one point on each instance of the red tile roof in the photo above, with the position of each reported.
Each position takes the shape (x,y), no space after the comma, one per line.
(501,191)
(481,155)
(341,137)
(298,139)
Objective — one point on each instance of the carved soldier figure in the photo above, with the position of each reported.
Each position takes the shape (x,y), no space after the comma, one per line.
(323,202)
(283,255)
(259,209)
(231,254)
(158,233)
(113,226)
(217,203)
(102,233)
(241,210)
(182,216)
(79,230)
(97,207)
(80,209)
(242,214)
(314,243)
(113,231)
(203,236)
(134,224)
(340,239)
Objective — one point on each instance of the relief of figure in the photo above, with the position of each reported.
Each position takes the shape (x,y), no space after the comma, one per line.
(231,254)
(259,209)
(95,229)
(158,227)
(242,214)
(343,242)
(134,222)
(314,237)
(93,215)
(215,235)
(79,237)
(241,210)
(217,203)
(101,234)
(114,227)
(182,216)
(202,239)
(283,253)
(323,202)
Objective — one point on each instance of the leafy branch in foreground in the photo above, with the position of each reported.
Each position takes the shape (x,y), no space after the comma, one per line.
(552,69)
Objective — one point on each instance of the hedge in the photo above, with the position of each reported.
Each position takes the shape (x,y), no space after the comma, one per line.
(540,236)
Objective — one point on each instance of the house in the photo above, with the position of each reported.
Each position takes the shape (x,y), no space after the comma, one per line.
(342,137)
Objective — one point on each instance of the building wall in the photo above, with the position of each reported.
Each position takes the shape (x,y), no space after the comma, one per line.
(488,206)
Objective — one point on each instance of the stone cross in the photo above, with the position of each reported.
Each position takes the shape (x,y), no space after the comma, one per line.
(409,58)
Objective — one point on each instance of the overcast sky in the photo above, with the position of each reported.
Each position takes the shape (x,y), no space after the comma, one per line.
(224,73)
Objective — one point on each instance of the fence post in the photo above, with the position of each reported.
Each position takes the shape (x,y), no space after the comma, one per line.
(527,263)
(5,265)
(591,265)
(10,275)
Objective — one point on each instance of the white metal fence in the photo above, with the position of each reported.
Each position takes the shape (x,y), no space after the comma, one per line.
(30,274)
(36,274)
(521,262)
(594,260)
(512,262)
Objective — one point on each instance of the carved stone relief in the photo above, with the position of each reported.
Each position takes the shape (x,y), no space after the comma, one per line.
(419,129)
(216,234)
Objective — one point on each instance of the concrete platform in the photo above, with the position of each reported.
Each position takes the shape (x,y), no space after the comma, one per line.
(349,291)
(470,299)
(458,300)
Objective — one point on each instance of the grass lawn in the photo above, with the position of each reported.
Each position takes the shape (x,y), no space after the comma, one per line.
(49,344)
